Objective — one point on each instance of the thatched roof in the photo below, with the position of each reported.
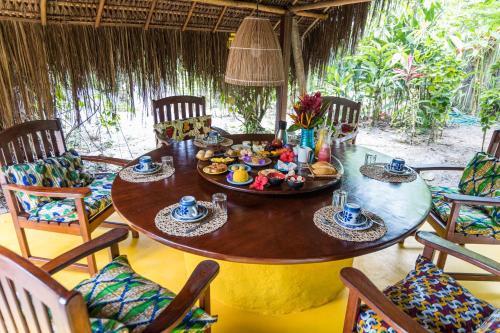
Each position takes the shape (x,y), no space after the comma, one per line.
(83,45)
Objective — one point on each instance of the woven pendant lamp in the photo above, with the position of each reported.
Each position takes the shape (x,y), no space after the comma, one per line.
(255,57)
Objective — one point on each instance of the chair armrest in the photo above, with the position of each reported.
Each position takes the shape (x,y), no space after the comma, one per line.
(109,239)
(104,159)
(420,168)
(432,240)
(53,192)
(357,282)
(471,199)
(220,130)
(194,288)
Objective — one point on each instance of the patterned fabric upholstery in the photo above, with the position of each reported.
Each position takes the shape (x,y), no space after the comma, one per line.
(119,293)
(491,324)
(65,210)
(100,325)
(184,129)
(481,178)
(67,170)
(434,299)
(470,221)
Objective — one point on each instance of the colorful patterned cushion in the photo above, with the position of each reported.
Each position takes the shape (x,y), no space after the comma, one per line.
(100,325)
(470,221)
(65,210)
(117,292)
(481,177)
(434,299)
(184,129)
(491,324)
(67,170)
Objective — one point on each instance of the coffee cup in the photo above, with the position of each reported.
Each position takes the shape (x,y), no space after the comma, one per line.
(397,164)
(145,163)
(188,208)
(350,213)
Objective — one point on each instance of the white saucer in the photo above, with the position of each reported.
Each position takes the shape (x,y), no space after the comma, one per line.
(155,169)
(202,213)
(365,224)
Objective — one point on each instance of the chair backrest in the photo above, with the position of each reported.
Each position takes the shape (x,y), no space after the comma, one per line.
(342,110)
(494,147)
(30,141)
(32,301)
(178,107)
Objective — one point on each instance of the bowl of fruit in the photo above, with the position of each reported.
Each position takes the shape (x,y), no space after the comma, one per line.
(295,182)
(276,178)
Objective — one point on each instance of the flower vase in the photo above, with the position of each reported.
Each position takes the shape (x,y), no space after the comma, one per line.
(307,140)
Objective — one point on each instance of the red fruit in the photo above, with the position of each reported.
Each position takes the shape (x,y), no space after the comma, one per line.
(287,156)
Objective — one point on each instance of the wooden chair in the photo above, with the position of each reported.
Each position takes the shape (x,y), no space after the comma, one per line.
(29,142)
(28,292)
(447,229)
(178,108)
(341,111)
(362,289)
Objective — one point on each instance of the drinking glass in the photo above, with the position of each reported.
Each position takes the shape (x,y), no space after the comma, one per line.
(370,158)
(219,200)
(339,199)
(167,162)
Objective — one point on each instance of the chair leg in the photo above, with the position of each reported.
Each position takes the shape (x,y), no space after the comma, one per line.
(85,233)
(23,242)
(205,304)
(352,312)
(441,259)
(134,232)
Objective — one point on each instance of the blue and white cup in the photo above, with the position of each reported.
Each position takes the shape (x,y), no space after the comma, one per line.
(350,213)
(145,163)
(397,164)
(188,208)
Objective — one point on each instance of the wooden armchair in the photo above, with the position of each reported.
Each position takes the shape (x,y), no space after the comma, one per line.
(344,111)
(447,229)
(27,143)
(32,301)
(178,108)
(361,289)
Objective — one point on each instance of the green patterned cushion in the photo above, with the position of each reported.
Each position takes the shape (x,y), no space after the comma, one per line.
(184,129)
(28,174)
(100,325)
(481,178)
(470,221)
(117,292)
(65,210)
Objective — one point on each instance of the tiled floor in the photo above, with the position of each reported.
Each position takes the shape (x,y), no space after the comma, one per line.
(166,266)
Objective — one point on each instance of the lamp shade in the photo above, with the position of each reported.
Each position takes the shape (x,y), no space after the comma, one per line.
(255,57)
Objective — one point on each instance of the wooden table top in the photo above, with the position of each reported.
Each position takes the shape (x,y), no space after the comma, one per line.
(267,229)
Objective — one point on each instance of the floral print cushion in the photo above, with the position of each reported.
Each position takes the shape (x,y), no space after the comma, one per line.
(491,324)
(184,129)
(117,292)
(470,221)
(67,170)
(434,299)
(65,210)
(481,177)
(100,325)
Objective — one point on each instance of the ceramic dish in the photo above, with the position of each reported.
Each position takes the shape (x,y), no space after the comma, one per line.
(240,147)
(155,169)
(202,213)
(207,170)
(237,166)
(225,160)
(266,172)
(405,172)
(230,181)
(266,161)
(365,222)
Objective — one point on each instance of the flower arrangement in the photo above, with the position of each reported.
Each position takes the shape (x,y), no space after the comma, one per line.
(308,111)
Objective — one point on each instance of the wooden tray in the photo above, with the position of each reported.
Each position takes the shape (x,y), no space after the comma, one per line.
(336,163)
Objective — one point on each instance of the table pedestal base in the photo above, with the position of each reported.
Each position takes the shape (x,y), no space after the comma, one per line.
(274,289)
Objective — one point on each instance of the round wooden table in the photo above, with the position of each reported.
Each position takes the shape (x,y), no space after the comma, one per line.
(273,258)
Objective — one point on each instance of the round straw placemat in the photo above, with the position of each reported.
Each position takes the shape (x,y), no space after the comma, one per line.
(213,221)
(377,171)
(323,219)
(129,175)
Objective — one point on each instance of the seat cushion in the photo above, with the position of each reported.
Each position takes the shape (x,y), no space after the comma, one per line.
(117,292)
(67,170)
(434,299)
(184,129)
(491,324)
(100,325)
(470,221)
(481,177)
(65,210)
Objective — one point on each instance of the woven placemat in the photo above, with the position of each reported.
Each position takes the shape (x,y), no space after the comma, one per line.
(168,225)
(377,171)
(323,219)
(129,175)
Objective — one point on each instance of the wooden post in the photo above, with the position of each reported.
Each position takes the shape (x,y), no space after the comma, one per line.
(286,48)
(297,58)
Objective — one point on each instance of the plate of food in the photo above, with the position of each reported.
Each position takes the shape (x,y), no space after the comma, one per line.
(240,146)
(256,161)
(266,172)
(232,153)
(204,155)
(238,166)
(225,160)
(215,169)
(324,169)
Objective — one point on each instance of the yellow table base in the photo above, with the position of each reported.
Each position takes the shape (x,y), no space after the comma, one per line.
(274,289)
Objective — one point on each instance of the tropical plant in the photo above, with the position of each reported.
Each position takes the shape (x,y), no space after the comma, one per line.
(308,112)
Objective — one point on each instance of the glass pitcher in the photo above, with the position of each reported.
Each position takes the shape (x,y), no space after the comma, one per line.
(322,150)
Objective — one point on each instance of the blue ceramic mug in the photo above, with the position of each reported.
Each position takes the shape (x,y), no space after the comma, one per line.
(145,163)
(188,208)
(350,213)
(397,164)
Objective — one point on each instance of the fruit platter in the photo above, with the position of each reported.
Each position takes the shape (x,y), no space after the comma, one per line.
(265,169)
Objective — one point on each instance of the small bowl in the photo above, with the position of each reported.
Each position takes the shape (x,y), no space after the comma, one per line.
(276,178)
(294,183)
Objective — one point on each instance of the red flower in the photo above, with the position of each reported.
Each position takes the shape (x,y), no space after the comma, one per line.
(259,183)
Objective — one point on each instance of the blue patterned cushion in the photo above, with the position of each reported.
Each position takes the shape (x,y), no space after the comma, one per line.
(434,299)
(470,221)
(117,292)
(100,325)
(65,210)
